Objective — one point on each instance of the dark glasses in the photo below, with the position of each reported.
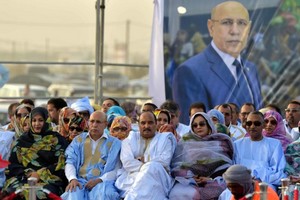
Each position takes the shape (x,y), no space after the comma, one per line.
(20,115)
(116,129)
(201,124)
(273,122)
(288,110)
(256,123)
(78,129)
(66,120)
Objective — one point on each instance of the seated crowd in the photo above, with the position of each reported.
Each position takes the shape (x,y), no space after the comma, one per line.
(123,151)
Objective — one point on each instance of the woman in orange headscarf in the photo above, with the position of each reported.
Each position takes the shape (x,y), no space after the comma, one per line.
(65,115)
(120,127)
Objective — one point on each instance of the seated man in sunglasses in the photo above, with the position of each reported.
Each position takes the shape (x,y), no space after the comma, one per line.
(263,155)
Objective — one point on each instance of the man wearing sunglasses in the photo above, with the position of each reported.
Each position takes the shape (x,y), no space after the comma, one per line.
(263,155)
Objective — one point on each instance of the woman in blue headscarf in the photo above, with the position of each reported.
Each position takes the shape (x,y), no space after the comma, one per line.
(216,116)
(218,119)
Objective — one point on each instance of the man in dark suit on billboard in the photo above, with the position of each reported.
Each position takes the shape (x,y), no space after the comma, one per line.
(219,74)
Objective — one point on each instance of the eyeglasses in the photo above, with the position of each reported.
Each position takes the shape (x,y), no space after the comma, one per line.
(245,113)
(256,123)
(20,115)
(116,129)
(201,124)
(66,120)
(273,122)
(228,23)
(288,110)
(78,129)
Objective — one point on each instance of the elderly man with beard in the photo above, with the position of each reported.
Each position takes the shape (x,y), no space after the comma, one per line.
(92,160)
(146,157)
(263,155)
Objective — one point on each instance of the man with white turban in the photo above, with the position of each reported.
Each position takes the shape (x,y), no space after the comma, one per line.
(83,107)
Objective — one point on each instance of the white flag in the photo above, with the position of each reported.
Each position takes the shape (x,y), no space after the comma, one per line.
(156,65)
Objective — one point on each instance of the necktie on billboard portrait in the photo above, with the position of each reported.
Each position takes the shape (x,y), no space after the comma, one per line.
(242,82)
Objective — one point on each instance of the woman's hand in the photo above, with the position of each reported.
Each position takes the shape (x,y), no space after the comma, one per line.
(34,175)
(141,159)
(202,180)
(169,128)
(91,183)
(295,179)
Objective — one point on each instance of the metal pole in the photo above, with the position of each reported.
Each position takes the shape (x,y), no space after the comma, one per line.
(263,191)
(32,188)
(98,93)
(96,97)
(285,182)
(127,33)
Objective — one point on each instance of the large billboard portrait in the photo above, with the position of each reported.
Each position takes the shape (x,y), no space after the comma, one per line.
(243,51)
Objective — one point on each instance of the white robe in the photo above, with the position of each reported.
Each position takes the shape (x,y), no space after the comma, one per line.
(138,180)
(294,133)
(236,132)
(182,129)
(6,140)
(226,195)
(265,158)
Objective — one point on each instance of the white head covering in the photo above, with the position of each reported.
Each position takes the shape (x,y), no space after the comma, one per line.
(207,118)
(82,105)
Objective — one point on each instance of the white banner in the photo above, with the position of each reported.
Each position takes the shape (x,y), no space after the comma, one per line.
(156,65)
